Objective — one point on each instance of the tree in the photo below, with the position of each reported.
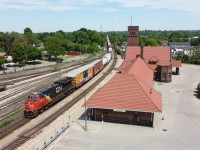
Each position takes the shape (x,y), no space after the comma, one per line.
(19,54)
(80,37)
(8,42)
(29,37)
(75,47)
(33,53)
(2,61)
(92,48)
(54,47)
(27,30)
(150,42)
(195,58)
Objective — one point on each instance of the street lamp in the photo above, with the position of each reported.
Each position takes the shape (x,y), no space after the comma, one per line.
(83,90)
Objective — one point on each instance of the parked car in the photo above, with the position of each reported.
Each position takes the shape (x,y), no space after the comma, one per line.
(59,60)
(11,64)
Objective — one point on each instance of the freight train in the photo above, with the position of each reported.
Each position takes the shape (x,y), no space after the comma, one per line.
(41,100)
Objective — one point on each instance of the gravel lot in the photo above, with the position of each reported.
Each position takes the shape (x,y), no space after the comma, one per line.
(181,111)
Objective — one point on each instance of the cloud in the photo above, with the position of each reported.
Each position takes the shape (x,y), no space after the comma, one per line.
(188,6)
(111,10)
(59,5)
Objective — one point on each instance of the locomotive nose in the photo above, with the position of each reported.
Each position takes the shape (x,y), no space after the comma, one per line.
(27,105)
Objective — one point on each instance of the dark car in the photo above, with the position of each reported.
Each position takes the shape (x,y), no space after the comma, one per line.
(59,60)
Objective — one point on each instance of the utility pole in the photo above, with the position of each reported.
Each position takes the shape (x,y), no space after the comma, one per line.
(85,111)
(131,20)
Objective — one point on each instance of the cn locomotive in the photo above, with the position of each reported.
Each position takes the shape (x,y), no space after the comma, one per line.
(42,99)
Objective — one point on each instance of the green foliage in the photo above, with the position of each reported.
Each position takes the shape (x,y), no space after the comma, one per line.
(5,122)
(29,37)
(2,60)
(194,58)
(85,41)
(117,50)
(9,119)
(33,53)
(19,53)
(148,42)
(27,30)
(118,37)
(54,47)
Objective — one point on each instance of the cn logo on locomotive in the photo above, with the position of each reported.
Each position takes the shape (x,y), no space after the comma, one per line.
(58,89)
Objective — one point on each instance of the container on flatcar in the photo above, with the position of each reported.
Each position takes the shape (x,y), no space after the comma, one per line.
(106,58)
(97,66)
(81,75)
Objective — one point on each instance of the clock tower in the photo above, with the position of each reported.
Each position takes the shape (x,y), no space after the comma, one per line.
(133,37)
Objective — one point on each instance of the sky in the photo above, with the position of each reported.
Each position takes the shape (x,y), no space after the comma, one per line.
(105,15)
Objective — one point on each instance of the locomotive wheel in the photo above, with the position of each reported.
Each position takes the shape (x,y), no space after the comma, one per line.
(35,113)
(46,106)
(41,110)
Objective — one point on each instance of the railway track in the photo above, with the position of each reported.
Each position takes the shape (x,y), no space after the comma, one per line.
(15,103)
(35,130)
(18,102)
(11,79)
(33,83)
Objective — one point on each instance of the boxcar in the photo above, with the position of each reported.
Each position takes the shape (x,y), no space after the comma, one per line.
(97,66)
(80,75)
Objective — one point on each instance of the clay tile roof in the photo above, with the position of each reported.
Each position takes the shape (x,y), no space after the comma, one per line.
(162,53)
(130,90)
(176,63)
(141,70)
(132,52)
(126,92)
(125,65)
(153,59)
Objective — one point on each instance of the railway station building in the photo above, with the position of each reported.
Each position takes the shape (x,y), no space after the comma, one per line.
(129,97)
(158,58)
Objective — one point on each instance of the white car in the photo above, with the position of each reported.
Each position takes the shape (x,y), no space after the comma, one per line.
(11,64)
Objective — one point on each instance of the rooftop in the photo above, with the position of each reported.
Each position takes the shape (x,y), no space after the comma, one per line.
(176,63)
(130,90)
(126,92)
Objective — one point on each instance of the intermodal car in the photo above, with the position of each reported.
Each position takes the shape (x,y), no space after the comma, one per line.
(42,99)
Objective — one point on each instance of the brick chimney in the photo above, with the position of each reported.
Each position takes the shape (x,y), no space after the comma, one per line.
(133,35)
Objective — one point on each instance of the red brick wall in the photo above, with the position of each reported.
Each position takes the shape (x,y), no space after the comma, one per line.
(128,117)
(133,36)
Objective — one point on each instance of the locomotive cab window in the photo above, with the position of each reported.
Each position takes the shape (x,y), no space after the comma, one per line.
(33,98)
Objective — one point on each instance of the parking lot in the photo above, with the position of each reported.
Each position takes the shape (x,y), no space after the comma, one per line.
(181,124)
